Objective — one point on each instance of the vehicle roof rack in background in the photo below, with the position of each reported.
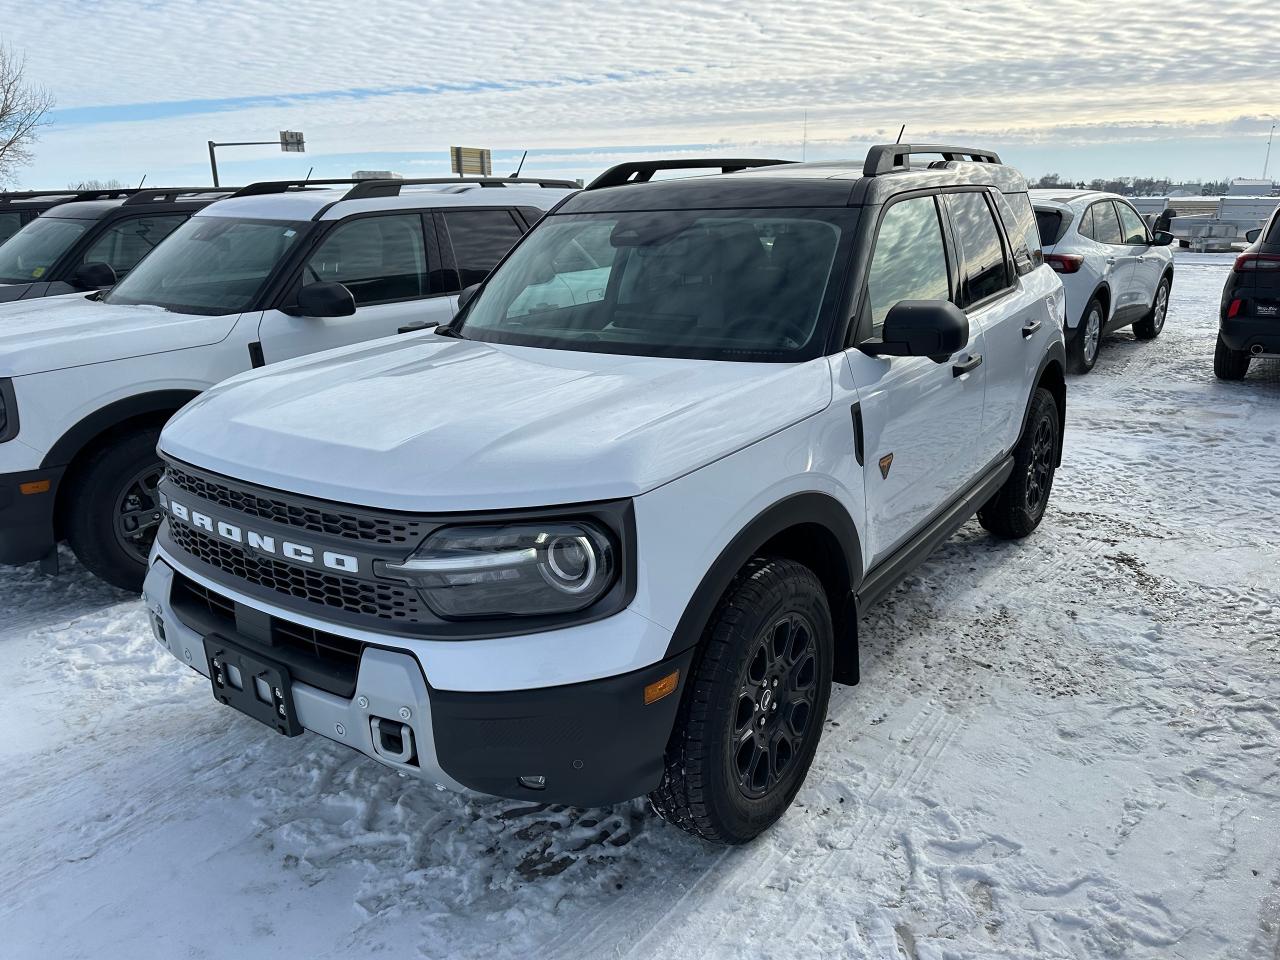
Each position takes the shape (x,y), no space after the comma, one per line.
(67,195)
(263,187)
(391,188)
(170,194)
(887,157)
(642,171)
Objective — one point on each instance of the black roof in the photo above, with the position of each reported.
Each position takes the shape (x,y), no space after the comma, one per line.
(161,200)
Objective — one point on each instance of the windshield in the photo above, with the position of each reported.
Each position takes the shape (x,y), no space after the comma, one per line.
(209,265)
(30,252)
(747,285)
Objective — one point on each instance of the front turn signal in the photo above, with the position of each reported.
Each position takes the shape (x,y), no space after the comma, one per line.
(661,688)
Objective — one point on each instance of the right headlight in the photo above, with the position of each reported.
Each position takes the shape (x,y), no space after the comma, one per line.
(519,569)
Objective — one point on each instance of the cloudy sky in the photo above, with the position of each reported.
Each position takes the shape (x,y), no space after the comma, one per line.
(1181,88)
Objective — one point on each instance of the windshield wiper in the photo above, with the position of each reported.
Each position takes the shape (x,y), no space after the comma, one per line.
(444,330)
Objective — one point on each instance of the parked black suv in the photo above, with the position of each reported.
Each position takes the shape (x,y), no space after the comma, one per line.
(88,244)
(20,207)
(1249,318)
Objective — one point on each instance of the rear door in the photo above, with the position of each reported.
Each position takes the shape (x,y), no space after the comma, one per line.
(921,419)
(386,261)
(478,238)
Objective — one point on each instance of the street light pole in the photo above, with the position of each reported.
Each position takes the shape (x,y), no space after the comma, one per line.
(213,162)
(291,141)
(1267,163)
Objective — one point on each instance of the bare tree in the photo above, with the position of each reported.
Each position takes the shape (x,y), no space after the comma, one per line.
(98,185)
(22,111)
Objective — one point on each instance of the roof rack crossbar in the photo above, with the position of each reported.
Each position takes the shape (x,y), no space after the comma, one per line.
(391,188)
(887,157)
(170,194)
(642,171)
(8,197)
(282,186)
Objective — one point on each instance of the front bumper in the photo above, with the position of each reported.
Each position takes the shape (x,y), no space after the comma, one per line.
(26,514)
(1246,333)
(592,743)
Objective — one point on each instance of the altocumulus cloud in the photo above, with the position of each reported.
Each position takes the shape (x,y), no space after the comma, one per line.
(399,77)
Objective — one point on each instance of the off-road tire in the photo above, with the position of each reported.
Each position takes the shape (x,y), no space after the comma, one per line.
(1149,327)
(1229,364)
(700,790)
(1079,359)
(94,491)
(1019,505)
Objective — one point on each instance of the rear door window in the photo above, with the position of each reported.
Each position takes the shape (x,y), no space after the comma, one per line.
(1020,227)
(1049,224)
(127,241)
(1086,228)
(480,239)
(9,224)
(1106,225)
(909,261)
(379,259)
(986,271)
(1135,231)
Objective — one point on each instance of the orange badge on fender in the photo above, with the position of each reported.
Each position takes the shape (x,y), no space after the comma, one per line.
(885,463)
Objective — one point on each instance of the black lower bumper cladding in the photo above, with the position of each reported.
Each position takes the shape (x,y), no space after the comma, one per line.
(26,514)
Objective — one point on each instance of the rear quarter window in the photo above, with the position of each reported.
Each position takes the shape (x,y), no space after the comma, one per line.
(1051,225)
(1022,229)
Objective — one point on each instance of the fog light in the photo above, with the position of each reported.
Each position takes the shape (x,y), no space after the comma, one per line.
(533,783)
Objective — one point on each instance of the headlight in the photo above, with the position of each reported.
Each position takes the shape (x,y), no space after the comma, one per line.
(518,569)
(8,411)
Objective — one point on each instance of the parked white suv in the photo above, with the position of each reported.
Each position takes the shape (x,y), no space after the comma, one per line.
(1115,270)
(608,532)
(277,271)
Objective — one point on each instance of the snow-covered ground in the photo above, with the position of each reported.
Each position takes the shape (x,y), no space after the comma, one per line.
(1065,747)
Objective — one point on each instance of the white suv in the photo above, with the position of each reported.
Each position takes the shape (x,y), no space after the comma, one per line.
(277,271)
(609,531)
(1115,271)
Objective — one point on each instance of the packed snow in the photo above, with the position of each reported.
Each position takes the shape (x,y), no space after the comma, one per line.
(1061,748)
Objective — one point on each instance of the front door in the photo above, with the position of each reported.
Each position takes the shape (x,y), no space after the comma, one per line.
(921,419)
(1148,268)
(383,261)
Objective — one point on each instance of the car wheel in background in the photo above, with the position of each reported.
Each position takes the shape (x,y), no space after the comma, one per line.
(1149,327)
(1019,506)
(113,510)
(1082,349)
(1229,364)
(753,713)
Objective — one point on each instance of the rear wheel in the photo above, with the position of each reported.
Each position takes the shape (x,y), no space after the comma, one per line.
(1082,349)
(1229,364)
(113,509)
(750,724)
(1149,327)
(1019,506)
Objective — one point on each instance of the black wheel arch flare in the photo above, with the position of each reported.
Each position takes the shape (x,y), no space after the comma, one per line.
(118,412)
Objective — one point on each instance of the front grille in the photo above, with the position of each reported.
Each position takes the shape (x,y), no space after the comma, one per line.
(366,526)
(384,600)
(325,660)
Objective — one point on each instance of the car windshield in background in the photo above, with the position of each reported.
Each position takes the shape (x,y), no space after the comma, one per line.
(746,285)
(1050,224)
(209,265)
(29,253)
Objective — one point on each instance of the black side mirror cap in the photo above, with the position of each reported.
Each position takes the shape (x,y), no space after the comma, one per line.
(467,295)
(325,299)
(1162,238)
(93,276)
(1253,235)
(921,328)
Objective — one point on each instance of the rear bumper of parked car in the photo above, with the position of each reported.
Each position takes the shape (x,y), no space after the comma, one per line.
(26,514)
(587,744)
(1253,335)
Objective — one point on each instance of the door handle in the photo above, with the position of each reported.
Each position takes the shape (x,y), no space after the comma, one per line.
(960,369)
(1111,261)
(1029,329)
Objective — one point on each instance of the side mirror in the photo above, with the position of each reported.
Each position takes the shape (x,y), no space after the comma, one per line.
(93,276)
(921,328)
(467,295)
(325,299)
(1253,235)
(1162,238)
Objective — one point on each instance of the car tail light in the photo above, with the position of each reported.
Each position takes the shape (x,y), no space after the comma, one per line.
(1257,261)
(1234,309)
(1064,262)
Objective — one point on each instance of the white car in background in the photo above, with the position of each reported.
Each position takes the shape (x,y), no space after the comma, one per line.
(1116,272)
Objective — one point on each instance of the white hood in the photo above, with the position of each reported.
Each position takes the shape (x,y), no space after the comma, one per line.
(431,424)
(53,333)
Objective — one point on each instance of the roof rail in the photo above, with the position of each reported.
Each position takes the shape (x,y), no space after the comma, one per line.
(642,171)
(887,157)
(8,197)
(283,186)
(391,188)
(170,194)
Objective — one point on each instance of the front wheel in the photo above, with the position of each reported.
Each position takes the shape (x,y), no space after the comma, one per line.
(1229,364)
(1149,327)
(1019,505)
(750,724)
(113,509)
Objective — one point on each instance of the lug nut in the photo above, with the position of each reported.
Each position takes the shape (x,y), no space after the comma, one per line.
(405,713)
(762,721)
(775,681)
(362,703)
